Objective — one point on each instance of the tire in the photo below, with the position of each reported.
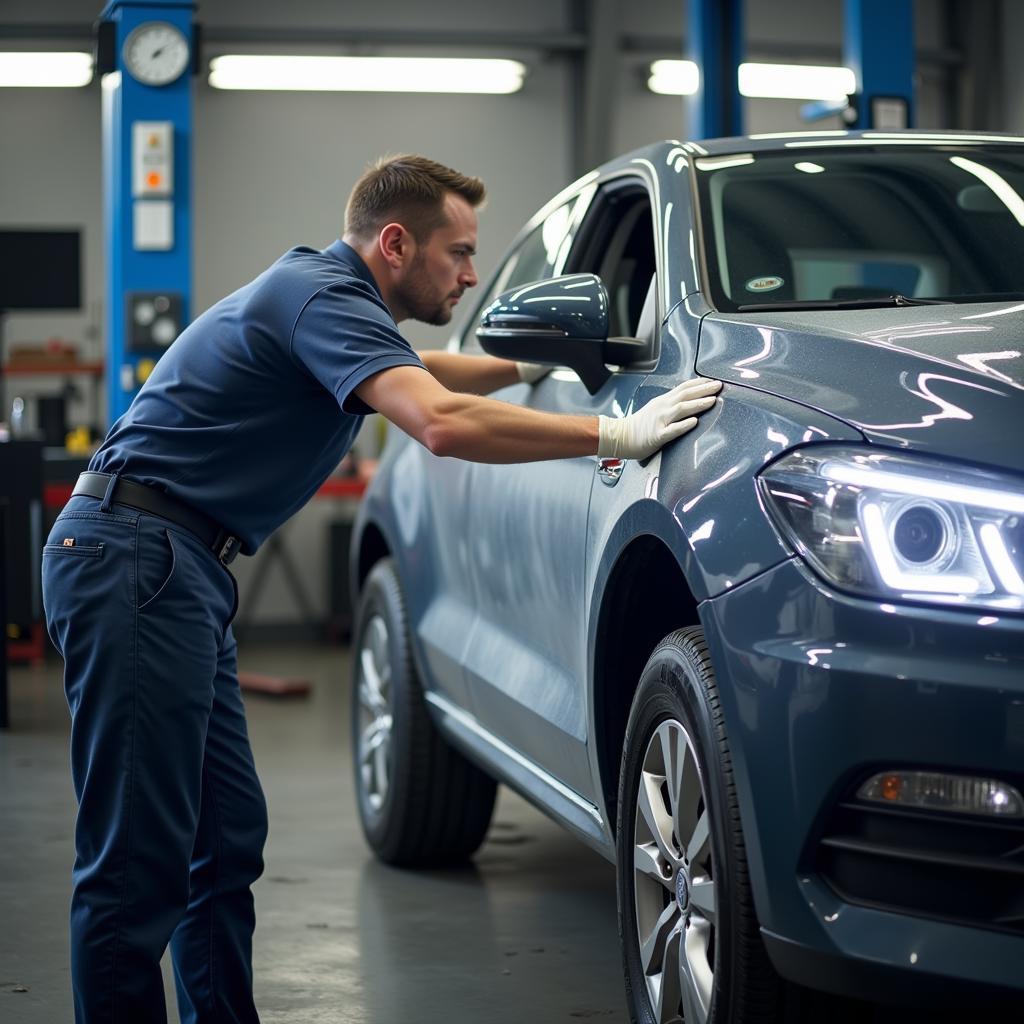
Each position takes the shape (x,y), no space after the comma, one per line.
(713,965)
(421,803)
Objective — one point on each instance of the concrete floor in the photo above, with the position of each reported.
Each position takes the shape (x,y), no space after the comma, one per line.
(527,933)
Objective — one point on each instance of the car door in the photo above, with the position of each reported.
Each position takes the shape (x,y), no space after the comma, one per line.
(526,655)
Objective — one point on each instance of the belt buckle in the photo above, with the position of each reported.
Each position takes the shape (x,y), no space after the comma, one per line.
(227,551)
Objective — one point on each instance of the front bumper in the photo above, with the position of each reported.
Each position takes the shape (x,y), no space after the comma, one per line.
(820,690)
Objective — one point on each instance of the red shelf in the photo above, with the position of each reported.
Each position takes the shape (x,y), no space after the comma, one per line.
(95,369)
(57,495)
(342,487)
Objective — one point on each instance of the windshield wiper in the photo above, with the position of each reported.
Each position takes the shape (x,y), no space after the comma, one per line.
(983,297)
(875,302)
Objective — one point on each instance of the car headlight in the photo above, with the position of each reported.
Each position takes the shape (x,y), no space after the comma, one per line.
(899,526)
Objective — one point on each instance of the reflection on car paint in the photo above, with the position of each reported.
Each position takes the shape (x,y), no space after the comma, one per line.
(947,409)
(979,361)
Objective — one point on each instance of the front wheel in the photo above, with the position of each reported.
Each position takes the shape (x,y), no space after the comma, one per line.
(691,946)
(421,803)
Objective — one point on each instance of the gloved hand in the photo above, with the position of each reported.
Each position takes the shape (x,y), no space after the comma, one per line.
(661,420)
(530,373)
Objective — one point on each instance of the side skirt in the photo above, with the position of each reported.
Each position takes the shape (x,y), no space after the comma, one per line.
(509,766)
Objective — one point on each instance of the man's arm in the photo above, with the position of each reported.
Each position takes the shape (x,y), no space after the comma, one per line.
(470,374)
(467,426)
(480,429)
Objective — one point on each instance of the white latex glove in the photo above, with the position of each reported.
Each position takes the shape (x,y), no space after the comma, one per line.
(530,373)
(661,420)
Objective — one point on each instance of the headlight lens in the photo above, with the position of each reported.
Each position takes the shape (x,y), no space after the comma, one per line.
(898,526)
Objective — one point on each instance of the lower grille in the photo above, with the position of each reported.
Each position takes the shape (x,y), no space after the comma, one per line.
(960,869)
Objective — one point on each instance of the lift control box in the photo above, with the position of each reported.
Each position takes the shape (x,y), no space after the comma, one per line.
(152,158)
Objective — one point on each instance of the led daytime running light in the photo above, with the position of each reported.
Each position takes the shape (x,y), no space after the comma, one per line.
(878,541)
(923,487)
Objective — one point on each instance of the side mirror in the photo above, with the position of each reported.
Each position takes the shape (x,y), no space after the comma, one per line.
(560,322)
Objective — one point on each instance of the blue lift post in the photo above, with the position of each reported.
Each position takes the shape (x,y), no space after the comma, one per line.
(716,47)
(878,46)
(147,186)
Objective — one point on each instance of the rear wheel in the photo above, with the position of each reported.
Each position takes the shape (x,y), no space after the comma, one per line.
(691,945)
(421,803)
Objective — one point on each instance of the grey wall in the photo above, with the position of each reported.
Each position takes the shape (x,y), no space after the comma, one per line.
(273,169)
(50,177)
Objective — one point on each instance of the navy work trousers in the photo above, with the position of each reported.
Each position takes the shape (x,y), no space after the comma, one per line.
(171,817)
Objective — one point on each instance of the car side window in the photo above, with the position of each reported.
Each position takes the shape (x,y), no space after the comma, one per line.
(540,255)
(617,243)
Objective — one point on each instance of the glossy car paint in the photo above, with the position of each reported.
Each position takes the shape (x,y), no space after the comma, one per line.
(506,570)
(825,687)
(943,379)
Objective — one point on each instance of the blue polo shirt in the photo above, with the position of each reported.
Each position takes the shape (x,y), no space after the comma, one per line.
(252,407)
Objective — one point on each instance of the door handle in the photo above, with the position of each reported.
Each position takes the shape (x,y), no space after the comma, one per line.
(609,470)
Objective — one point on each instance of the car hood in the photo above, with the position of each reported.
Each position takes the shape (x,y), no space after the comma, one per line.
(946,379)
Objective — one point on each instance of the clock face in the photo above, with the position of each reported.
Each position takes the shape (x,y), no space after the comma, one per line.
(155,53)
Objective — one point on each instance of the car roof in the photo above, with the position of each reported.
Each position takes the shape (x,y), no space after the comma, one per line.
(660,157)
(673,153)
(838,139)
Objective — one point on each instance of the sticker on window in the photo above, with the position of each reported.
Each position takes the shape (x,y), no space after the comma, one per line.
(764,284)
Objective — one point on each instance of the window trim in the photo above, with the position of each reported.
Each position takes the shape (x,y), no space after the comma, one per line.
(611,182)
(618,183)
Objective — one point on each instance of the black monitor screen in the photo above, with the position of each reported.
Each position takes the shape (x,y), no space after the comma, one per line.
(40,270)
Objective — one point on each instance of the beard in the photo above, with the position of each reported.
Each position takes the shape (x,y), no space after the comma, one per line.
(419,297)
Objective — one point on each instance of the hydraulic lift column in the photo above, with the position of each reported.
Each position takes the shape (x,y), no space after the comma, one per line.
(878,46)
(147,54)
(716,47)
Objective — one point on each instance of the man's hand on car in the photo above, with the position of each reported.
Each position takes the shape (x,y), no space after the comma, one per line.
(662,419)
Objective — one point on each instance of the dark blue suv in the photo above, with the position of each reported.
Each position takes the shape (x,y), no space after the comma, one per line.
(776,672)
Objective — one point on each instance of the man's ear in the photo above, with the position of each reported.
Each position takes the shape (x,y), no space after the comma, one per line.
(396,245)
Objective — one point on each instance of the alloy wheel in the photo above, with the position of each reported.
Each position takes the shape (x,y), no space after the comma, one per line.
(673,880)
(375,717)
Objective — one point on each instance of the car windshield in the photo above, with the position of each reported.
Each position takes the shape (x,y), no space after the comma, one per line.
(828,227)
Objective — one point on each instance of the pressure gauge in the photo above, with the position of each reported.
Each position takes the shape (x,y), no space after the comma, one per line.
(156,53)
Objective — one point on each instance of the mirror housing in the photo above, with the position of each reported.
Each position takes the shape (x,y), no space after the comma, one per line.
(559,322)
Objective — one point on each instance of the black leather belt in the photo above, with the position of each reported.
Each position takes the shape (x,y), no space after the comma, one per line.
(149,499)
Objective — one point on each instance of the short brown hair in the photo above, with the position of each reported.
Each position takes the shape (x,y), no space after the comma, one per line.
(409,189)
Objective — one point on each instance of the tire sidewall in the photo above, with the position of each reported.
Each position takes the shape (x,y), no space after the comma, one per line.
(671,687)
(381,595)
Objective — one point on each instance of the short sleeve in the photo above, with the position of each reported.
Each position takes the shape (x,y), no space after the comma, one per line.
(343,335)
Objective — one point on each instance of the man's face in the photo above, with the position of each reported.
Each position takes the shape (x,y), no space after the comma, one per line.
(441,268)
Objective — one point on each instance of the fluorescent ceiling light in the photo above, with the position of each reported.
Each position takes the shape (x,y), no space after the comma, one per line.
(808,168)
(674,77)
(1006,193)
(769,81)
(48,70)
(796,82)
(367,74)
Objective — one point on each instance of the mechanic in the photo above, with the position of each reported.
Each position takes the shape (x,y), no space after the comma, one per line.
(243,418)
